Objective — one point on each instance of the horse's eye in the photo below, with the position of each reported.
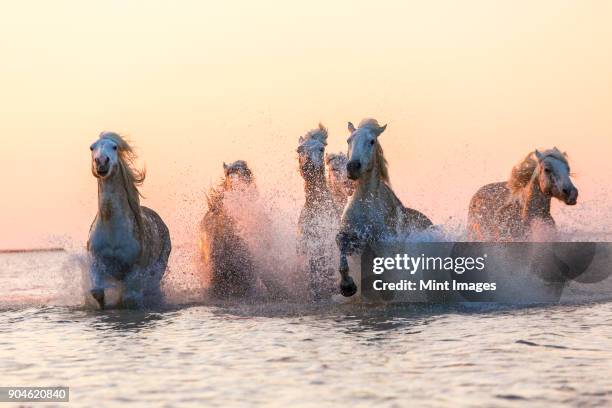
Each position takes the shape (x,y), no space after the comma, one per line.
(91,148)
(115,147)
(372,142)
(546,170)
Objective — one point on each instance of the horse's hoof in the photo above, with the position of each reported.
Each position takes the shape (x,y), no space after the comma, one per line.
(348,287)
(98,294)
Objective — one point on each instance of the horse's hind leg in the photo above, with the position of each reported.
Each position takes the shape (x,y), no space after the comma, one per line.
(474,232)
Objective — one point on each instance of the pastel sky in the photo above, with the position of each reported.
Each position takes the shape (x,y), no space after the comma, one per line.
(467,89)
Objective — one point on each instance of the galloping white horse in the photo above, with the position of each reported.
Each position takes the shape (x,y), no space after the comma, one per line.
(129,244)
(318,222)
(373,211)
(519,209)
(224,252)
(340,186)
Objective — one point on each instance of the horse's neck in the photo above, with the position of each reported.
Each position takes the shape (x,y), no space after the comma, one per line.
(340,197)
(337,191)
(377,195)
(315,187)
(370,185)
(113,202)
(534,203)
(373,206)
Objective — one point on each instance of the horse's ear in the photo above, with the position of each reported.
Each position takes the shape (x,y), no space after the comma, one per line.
(351,127)
(538,155)
(323,131)
(301,140)
(380,129)
(225,167)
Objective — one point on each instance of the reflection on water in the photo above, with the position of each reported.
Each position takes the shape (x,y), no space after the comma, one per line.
(124,321)
(226,355)
(301,354)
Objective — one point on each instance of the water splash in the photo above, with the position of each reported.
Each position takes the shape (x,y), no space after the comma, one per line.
(268,222)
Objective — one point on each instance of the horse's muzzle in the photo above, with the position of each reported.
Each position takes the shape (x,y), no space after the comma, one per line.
(353,169)
(571,196)
(102,170)
(102,165)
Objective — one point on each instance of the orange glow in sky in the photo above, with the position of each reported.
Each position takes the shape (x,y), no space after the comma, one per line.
(467,89)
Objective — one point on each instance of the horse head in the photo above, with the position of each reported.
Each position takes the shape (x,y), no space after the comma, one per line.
(238,175)
(363,147)
(311,150)
(336,171)
(104,156)
(554,177)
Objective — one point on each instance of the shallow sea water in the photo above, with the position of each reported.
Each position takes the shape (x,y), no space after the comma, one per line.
(297,354)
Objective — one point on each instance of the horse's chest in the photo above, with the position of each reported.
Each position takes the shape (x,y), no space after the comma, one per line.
(367,219)
(317,223)
(115,241)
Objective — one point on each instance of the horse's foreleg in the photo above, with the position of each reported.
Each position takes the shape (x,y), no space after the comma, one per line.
(97,282)
(347,284)
(98,295)
(133,288)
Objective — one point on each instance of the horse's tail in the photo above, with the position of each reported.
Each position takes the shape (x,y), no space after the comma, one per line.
(484,204)
(475,230)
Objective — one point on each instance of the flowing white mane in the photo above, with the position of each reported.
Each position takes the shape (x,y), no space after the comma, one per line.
(319,134)
(522,173)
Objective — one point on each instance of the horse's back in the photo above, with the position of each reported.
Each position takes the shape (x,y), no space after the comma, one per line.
(158,235)
(483,207)
(416,220)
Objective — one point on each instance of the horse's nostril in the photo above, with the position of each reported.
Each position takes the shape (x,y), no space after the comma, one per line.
(102,161)
(353,166)
(567,191)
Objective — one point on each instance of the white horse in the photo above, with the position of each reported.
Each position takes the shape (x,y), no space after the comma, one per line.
(519,209)
(224,252)
(318,222)
(129,245)
(373,212)
(340,186)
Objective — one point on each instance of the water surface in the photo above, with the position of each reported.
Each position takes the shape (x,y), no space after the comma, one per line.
(284,354)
